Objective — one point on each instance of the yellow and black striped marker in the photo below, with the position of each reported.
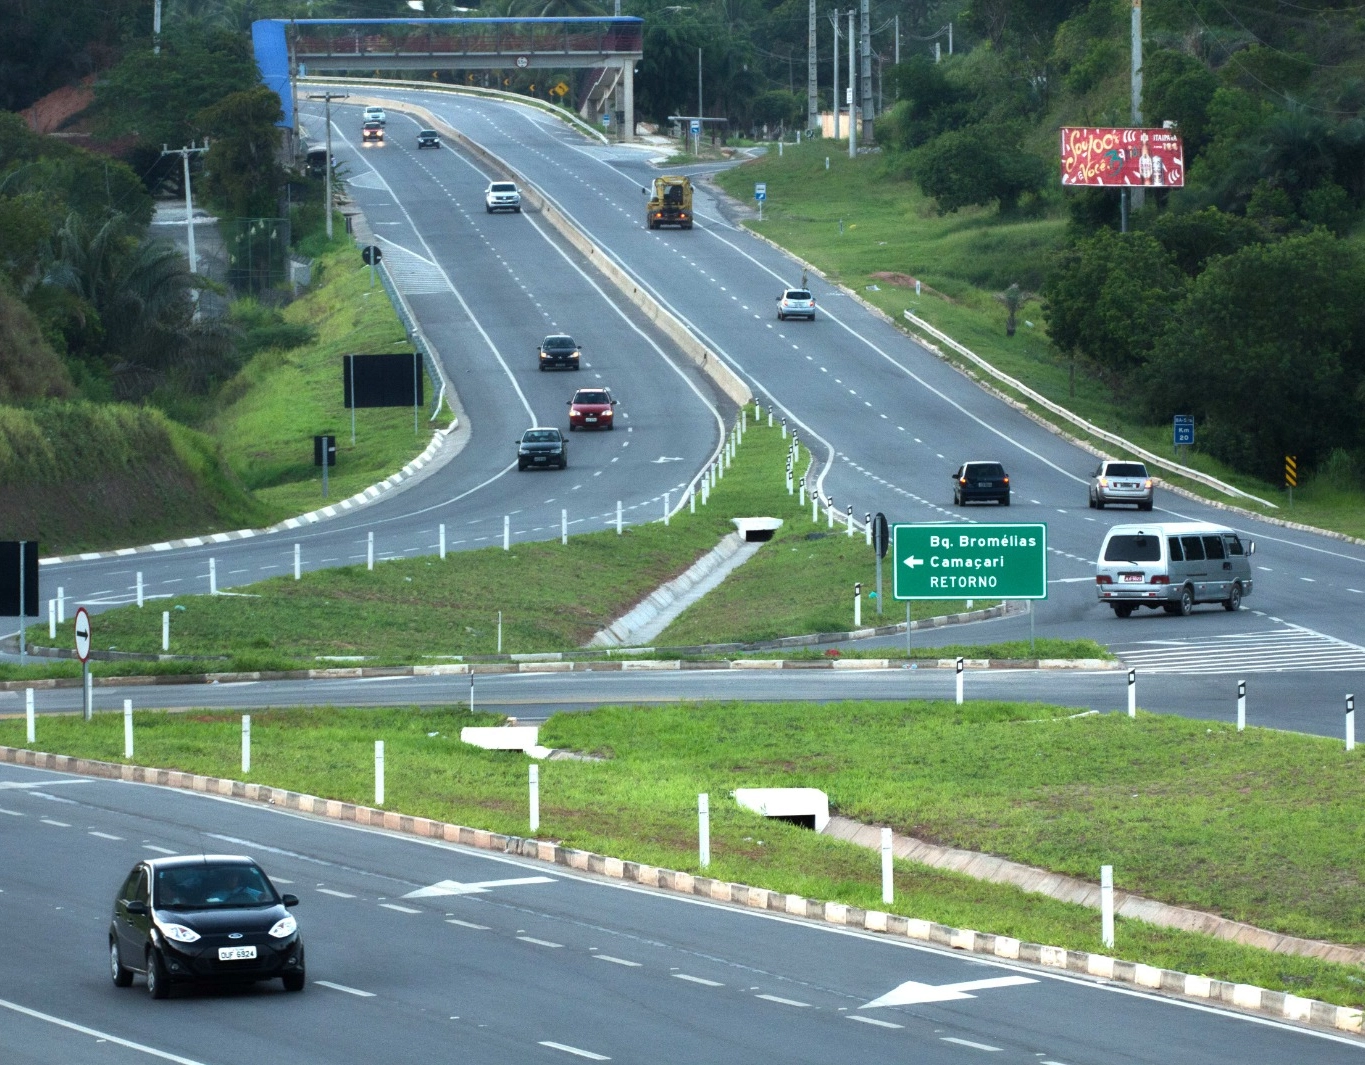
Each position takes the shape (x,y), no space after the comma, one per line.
(1291,471)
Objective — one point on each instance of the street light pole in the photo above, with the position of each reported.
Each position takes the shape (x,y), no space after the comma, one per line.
(701,111)
(328,97)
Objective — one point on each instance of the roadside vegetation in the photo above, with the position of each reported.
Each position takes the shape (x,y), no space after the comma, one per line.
(1256,826)
(425,609)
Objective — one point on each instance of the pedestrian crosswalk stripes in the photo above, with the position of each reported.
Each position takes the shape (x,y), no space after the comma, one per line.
(1284,649)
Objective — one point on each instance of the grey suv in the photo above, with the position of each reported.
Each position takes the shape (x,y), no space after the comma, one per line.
(1120,482)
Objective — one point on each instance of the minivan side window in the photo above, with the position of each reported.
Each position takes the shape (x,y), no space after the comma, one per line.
(1234,545)
(1194,548)
(1213,547)
(1173,543)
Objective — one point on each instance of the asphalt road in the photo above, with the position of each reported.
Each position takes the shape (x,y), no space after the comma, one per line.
(420,952)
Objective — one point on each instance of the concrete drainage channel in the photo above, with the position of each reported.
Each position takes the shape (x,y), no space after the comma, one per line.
(1248,997)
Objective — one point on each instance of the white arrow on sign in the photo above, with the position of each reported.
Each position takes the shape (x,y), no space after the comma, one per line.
(454,887)
(912,561)
(912,992)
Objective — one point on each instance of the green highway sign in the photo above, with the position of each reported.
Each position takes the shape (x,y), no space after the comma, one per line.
(970,561)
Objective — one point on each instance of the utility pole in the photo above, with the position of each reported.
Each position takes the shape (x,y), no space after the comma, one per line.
(1136,196)
(852,122)
(294,86)
(812,82)
(898,40)
(329,97)
(185,154)
(865,72)
(701,111)
(156,28)
(834,21)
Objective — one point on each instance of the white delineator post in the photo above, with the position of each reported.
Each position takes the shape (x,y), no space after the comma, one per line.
(52,619)
(61,605)
(564,526)
(139,588)
(441,539)
(379,772)
(369,550)
(960,666)
(507,532)
(165,630)
(127,728)
(666,495)
(1350,722)
(867,529)
(829,512)
(1132,693)
(1107,906)
(213,576)
(888,881)
(298,562)
(1241,705)
(850,519)
(618,517)
(246,743)
(31,732)
(703,830)
(691,499)
(803,492)
(858,604)
(535,798)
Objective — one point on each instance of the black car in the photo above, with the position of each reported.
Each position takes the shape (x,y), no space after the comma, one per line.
(559,350)
(542,446)
(203,917)
(981,480)
(428,138)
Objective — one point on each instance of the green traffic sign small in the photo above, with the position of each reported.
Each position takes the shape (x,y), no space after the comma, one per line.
(970,561)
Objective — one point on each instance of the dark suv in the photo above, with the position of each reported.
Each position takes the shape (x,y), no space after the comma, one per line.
(981,480)
(559,350)
(203,917)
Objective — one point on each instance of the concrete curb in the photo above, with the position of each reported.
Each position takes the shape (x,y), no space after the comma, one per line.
(547,664)
(1278,1004)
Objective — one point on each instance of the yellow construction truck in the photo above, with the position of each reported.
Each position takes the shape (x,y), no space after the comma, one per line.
(670,204)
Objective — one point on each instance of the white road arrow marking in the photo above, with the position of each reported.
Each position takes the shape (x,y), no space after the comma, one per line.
(666,458)
(912,992)
(454,887)
(912,561)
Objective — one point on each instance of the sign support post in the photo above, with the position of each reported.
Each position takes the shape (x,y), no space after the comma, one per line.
(22,600)
(83,653)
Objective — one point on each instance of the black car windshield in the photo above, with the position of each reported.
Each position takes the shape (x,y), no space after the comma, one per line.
(591,397)
(1126,469)
(559,342)
(207,887)
(797,295)
(1133,548)
(541,436)
(427,133)
(504,186)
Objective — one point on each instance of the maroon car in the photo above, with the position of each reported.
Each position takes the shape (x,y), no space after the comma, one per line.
(591,408)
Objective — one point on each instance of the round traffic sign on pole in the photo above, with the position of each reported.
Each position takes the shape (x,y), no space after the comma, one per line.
(82,634)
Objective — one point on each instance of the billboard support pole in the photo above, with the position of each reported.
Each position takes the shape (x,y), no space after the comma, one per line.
(1136,85)
(22,599)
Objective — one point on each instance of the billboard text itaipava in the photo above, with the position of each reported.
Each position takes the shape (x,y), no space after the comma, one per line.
(1136,157)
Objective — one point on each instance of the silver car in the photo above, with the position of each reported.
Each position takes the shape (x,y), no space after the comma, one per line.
(1120,481)
(502,196)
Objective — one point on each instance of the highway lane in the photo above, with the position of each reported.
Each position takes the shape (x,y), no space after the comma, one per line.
(1309,702)
(485,289)
(422,951)
(889,420)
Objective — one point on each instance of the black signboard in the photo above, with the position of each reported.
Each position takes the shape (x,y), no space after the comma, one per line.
(382,380)
(9,579)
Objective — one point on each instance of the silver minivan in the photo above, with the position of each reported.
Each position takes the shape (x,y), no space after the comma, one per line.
(1173,565)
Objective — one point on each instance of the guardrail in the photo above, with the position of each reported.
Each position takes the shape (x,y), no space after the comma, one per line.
(1077,420)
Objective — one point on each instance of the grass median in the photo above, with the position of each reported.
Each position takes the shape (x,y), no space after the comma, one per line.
(413,611)
(1259,826)
(877,234)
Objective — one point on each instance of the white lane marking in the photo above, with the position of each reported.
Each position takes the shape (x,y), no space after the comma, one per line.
(873,1020)
(783,1001)
(95,1033)
(280,880)
(967,1043)
(697,980)
(539,942)
(154,847)
(617,961)
(467,924)
(54,824)
(912,992)
(1310,580)
(1356,590)
(454,887)
(12,813)
(335,894)
(104,835)
(342,987)
(574,1050)
(400,909)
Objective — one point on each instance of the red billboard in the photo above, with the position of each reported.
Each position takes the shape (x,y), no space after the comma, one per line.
(1139,157)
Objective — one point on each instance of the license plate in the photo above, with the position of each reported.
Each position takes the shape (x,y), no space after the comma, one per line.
(591,418)
(236,953)
(1133,578)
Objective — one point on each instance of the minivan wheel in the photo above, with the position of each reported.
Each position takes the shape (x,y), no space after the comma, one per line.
(1186,603)
(1123,610)
(123,977)
(158,985)
(1234,600)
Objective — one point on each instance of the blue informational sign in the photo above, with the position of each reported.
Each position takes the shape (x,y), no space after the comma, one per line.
(696,127)
(760,191)
(1184,429)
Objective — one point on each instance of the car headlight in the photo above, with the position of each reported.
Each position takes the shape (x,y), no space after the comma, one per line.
(178,932)
(285,926)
